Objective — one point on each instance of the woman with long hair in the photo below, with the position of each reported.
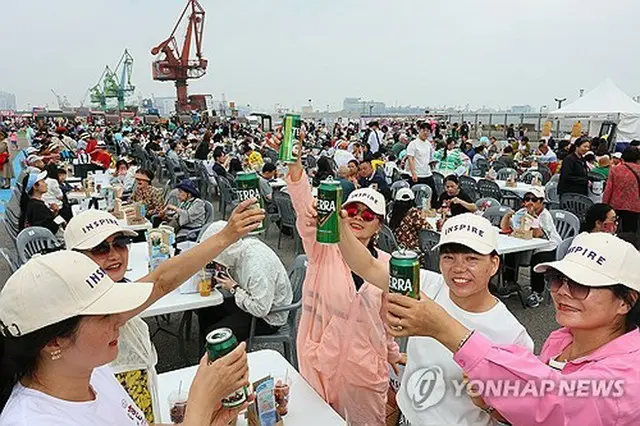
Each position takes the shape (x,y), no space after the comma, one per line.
(33,210)
(407,220)
(324,171)
(344,350)
(449,157)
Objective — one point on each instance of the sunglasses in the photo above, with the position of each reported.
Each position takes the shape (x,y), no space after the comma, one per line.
(120,242)
(366,214)
(532,199)
(556,280)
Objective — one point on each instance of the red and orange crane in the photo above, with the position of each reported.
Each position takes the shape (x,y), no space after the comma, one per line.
(176,65)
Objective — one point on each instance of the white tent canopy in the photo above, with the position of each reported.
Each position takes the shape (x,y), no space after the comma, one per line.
(605,102)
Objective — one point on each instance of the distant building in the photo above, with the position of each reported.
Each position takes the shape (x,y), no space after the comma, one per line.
(166,106)
(7,101)
(521,109)
(363,107)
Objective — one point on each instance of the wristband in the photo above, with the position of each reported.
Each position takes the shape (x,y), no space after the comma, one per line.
(464,340)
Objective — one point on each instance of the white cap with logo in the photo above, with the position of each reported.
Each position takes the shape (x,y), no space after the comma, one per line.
(536,191)
(599,259)
(90,228)
(61,285)
(469,230)
(370,198)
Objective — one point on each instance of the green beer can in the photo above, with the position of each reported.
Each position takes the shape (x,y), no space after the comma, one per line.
(404,273)
(219,343)
(329,206)
(248,186)
(290,135)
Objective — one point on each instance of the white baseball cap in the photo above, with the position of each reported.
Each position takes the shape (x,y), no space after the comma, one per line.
(370,198)
(35,177)
(537,191)
(599,259)
(90,228)
(33,158)
(404,194)
(471,231)
(617,155)
(61,285)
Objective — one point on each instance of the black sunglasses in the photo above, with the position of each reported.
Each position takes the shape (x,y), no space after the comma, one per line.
(119,243)
(556,280)
(532,199)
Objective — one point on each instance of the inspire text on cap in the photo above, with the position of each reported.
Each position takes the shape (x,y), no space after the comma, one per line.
(588,253)
(464,227)
(362,195)
(98,223)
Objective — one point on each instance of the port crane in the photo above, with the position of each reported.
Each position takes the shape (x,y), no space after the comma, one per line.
(109,86)
(175,63)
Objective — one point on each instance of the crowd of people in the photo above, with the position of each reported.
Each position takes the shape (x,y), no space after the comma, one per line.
(54,358)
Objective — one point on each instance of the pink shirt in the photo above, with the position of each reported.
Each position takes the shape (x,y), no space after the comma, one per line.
(343,347)
(602,388)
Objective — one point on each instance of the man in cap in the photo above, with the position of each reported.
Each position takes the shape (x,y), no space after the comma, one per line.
(468,260)
(542,226)
(100,156)
(190,213)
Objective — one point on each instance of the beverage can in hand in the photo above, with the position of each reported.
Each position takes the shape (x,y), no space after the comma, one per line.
(404,273)
(329,206)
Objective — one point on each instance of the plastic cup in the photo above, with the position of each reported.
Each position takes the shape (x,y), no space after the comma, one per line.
(178,406)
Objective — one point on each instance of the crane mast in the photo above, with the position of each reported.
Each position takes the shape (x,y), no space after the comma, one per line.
(176,63)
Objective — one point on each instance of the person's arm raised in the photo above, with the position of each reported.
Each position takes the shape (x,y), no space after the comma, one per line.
(360,260)
(172,273)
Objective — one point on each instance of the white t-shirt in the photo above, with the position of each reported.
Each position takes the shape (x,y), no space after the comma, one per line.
(544,221)
(422,153)
(374,141)
(111,407)
(342,157)
(427,394)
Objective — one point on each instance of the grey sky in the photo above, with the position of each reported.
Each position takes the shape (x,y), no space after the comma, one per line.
(262,52)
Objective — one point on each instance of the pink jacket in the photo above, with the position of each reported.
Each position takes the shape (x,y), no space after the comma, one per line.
(596,390)
(343,348)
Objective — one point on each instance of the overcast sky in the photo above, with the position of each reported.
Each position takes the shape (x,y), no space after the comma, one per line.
(262,52)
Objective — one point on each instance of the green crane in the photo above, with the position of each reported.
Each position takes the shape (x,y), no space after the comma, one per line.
(110,87)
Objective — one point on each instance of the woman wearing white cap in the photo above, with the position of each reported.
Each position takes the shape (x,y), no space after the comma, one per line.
(587,372)
(343,348)
(468,260)
(33,210)
(56,340)
(542,226)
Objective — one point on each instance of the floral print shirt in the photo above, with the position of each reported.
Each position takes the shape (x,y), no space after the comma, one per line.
(407,233)
(151,197)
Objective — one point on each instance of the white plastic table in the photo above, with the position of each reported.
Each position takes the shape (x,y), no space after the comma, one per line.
(305,405)
(173,302)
